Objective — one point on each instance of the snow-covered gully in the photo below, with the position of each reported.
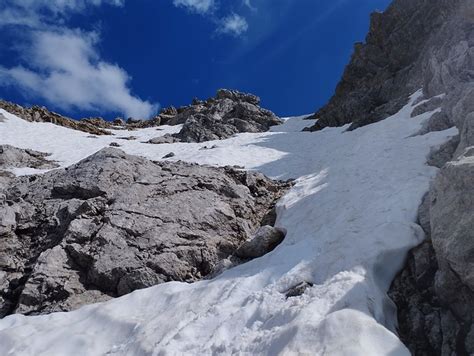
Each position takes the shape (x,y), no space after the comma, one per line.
(350,219)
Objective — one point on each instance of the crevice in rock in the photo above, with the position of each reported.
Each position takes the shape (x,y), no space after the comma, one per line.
(430,323)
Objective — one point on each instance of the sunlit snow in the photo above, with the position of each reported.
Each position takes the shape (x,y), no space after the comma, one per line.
(350,219)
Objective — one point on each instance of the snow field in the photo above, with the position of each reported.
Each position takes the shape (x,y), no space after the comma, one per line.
(350,219)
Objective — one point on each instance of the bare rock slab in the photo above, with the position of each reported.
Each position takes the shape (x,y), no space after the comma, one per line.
(114,223)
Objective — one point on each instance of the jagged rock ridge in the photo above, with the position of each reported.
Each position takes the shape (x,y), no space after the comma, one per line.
(220,117)
(228,113)
(41,114)
(426,44)
(398,57)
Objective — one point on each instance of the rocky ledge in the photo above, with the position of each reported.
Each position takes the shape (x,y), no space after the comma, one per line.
(427,44)
(220,117)
(435,291)
(13,157)
(407,48)
(41,114)
(114,223)
(223,116)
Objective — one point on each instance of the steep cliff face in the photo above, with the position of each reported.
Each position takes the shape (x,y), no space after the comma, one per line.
(406,49)
(425,44)
(445,313)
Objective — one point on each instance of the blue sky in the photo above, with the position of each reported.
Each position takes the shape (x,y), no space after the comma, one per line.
(130,57)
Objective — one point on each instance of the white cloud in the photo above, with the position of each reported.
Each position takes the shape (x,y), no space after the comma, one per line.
(63,66)
(65,69)
(198,6)
(233,25)
(41,13)
(249,5)
(57,6)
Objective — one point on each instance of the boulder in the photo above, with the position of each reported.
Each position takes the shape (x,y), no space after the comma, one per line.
(235,95)
(170,111)
(298,290)
(265,240)
(163,139)
(119,122)
(169,155)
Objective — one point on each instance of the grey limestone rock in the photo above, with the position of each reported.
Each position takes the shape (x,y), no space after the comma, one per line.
(298,290)
(114,223)
(119,121)
(13,157)
(452,218)
(221,117)
(169,155)
(265,240)
(41,114)
(427,106)
(163,139)
(434,293)
(428,45)
(413,44)
(235,95)
(440,156)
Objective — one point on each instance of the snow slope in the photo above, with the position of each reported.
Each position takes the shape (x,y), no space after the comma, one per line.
(350,221)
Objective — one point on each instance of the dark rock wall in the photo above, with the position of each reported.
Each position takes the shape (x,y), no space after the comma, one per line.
(426,44)
(435,291)
(390,65)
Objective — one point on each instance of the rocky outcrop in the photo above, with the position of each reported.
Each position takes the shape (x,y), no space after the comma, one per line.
(426,325)
(41,114)
(452,233)
(427,44)
(413,44)
(228,113)
(13,157)
(114,223)
(435,291)
(266,239)
(223,116)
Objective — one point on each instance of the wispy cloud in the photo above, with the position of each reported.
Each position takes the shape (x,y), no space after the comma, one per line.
(58,6)
(233,25)
(248,3)
(62,65)
(36,13)
(198,6)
